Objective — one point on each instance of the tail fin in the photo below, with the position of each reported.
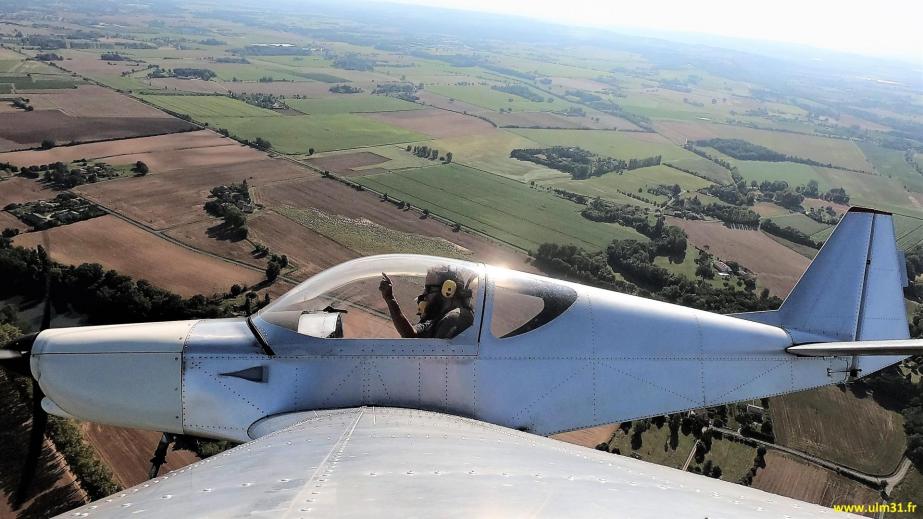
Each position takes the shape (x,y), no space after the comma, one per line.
(852,291)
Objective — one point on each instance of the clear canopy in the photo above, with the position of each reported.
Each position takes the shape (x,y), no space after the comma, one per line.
(345,301)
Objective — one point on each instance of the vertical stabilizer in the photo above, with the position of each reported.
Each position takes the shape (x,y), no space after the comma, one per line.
(852,291)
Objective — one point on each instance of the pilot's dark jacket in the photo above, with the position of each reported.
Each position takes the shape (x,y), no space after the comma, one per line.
(448,326)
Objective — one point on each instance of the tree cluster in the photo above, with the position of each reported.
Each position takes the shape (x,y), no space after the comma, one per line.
(520,91)
(789,233)
(345,89)
(580,163)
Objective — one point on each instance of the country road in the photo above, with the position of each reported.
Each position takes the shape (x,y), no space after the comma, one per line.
(871,480)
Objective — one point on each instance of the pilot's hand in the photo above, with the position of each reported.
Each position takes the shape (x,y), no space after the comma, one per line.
(385,287)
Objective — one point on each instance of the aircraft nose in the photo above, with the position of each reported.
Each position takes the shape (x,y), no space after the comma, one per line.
(126,375)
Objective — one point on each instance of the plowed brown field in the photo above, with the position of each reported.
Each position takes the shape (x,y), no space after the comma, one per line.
(777,267)
(94,101)
(102,150)
(119,245)
(28,129)
(438,124)
(176,197)
(791,478)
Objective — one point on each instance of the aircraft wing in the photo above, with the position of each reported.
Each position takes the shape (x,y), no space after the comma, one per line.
(400,462)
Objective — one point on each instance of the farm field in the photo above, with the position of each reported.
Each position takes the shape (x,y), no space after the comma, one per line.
(438,124)
(187,141)
(734,458)
(655,446)
(621,145)
(786,476)
(838,152)
(210,235)
(118,245)
(207,107)
(20,130)
(176,197)
(909,490)
(368,238)
(485,97)
(801,222)
(635,182)
(778,268)
(497,207)
(126,452)
(334,198)
(19,189)
(343,162)
(351,103)
(295,134)
(811,421)
(93,101)
(588,437)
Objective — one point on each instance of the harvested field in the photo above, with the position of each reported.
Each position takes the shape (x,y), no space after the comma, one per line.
(209,235)
(94,101)
(175,197)
(346,161)
(777,267)
(20,189)
(28,129)
(229,152)
(812,421)
(310,251)
(436,123)
(188,85)
(127,452)
(588,437)
(786,476)
(8,221)
(335,198)
(105,149)
(116,244)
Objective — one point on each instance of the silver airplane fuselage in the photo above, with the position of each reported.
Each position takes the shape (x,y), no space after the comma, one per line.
(607,357)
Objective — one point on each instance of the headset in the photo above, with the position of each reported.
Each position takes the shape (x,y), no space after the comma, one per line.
(448,290)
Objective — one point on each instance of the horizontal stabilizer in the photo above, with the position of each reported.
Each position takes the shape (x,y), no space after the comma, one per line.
(835,349)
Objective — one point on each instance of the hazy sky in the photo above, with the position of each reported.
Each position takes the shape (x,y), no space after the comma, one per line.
(879,27)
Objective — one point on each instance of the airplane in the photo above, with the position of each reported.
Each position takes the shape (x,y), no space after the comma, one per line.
(338,414)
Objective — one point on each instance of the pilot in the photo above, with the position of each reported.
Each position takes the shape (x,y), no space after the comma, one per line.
(444,306)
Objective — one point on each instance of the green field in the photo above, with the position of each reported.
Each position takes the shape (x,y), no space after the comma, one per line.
(21,83)
(297,133)
(491,99)
(838,152)
(608,186)
(801,222)
(621,145)
(351,103)
(734,458)
(504,209)
(793,173)
(655,447)
(204,108)
(891,163)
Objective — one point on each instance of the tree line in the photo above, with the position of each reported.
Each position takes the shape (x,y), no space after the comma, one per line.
(634,261)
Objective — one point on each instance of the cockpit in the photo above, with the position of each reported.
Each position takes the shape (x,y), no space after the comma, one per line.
(366,298)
